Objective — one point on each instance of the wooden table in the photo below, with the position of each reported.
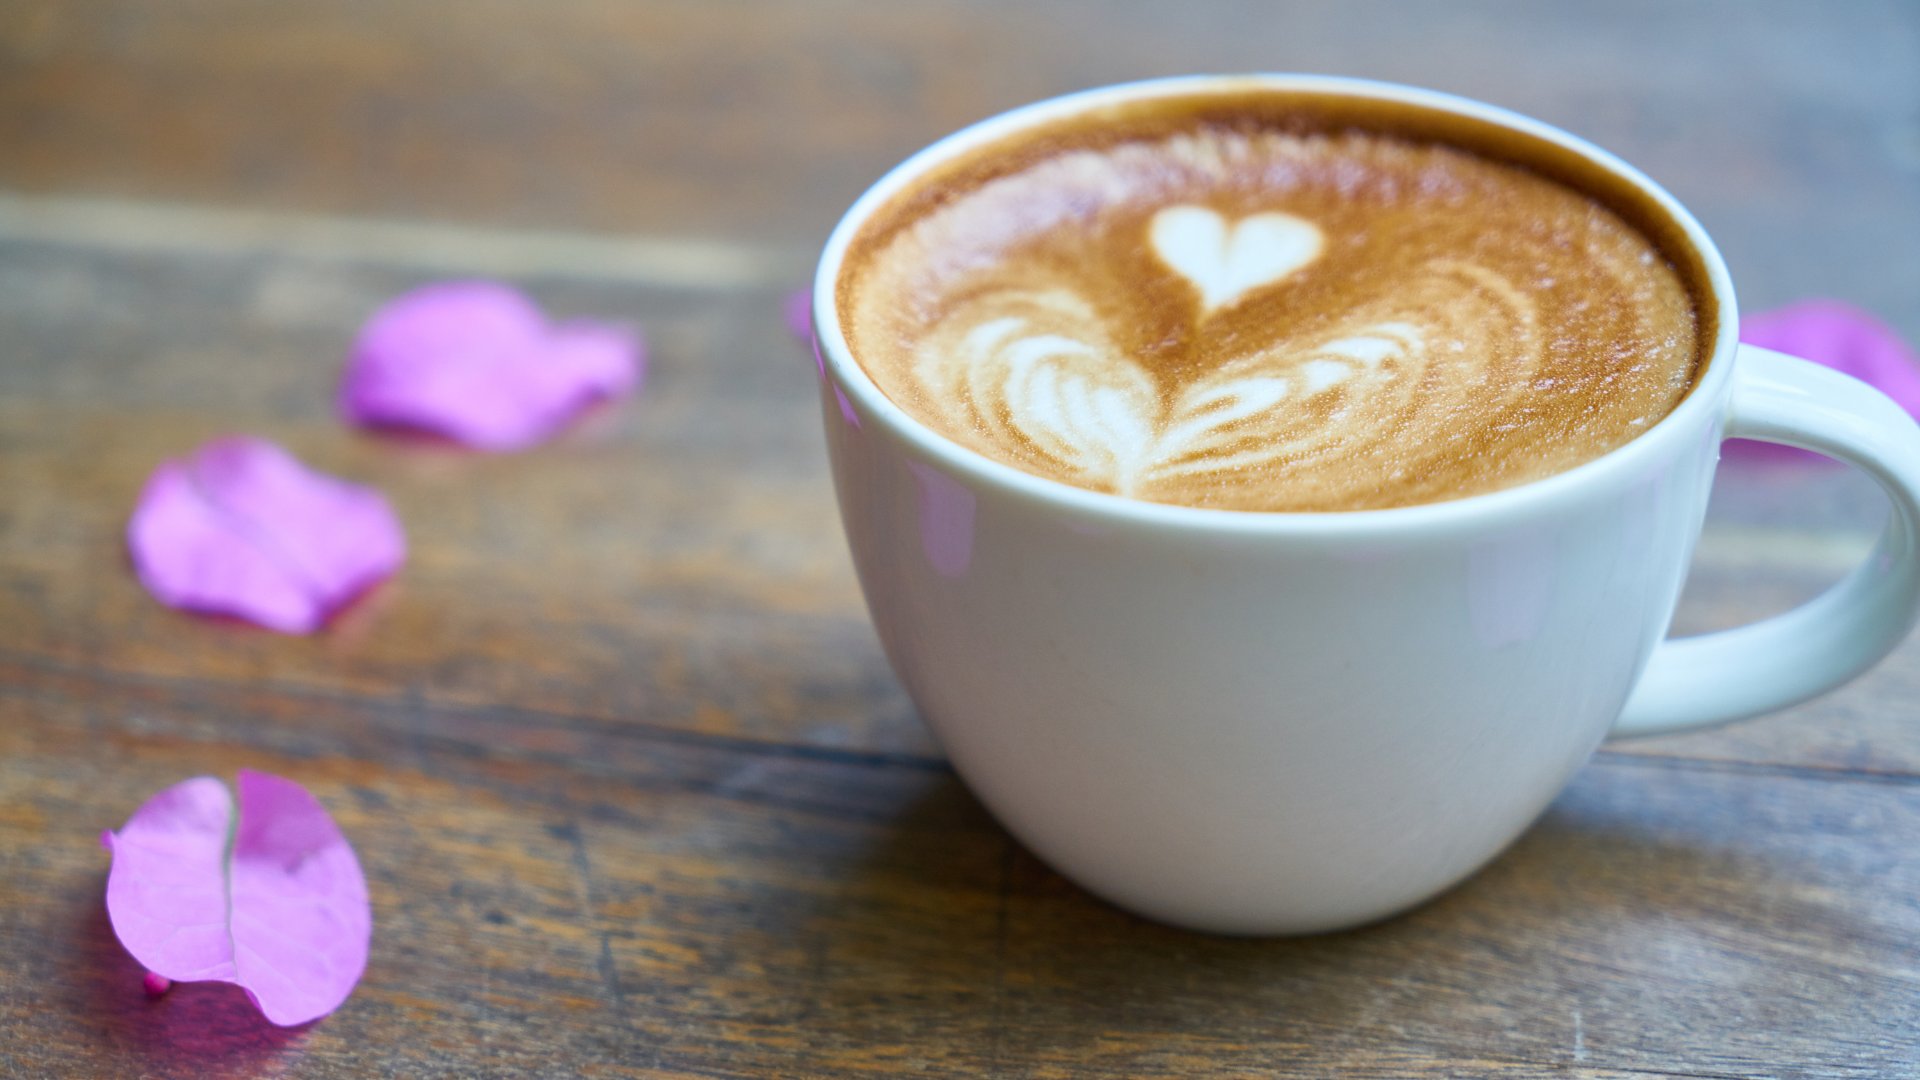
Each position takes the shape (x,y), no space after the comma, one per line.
(633,786)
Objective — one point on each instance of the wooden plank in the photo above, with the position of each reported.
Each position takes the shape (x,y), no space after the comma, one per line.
(703,583)
(1786,125)
(597,901)
(541,915)
(630,779)
(635,791)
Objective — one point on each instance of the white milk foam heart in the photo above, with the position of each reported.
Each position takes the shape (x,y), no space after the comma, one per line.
(1226,261)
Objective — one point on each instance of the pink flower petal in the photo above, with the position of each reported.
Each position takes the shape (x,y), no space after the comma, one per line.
(275,903)
(476,361)
(1842,337)
(800,313)
(167,890)
(242,528)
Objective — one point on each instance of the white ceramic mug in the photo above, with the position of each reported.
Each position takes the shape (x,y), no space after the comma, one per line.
(1277,723)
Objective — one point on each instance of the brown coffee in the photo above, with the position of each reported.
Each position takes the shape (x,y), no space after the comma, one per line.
(1267,301)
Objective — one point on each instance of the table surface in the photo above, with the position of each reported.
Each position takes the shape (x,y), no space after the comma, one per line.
(633,786)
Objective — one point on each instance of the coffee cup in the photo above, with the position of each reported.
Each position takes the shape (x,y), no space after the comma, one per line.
(1294,721)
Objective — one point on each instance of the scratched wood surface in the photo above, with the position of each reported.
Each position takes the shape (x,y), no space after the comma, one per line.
(634,789)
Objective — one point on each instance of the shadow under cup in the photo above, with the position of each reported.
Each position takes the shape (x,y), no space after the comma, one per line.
(1271,723)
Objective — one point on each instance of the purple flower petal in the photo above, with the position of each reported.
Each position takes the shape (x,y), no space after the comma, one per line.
(241,528)
(800,313)
(477,362)
(275,904)
(1841,337)
(167,890)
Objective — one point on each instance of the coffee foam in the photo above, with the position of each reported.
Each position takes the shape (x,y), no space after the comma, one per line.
(1273,320)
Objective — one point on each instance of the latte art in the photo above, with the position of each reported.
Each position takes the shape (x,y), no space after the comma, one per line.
(1224,261)
(1037,376)
(1268,321)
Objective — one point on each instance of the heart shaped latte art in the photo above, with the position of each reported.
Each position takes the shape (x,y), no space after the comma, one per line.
(1035,376)
(1226,260)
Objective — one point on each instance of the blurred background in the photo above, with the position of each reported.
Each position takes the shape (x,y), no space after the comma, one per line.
(1791,127)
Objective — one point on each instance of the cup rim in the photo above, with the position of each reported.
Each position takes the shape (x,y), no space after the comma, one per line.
(1698,411)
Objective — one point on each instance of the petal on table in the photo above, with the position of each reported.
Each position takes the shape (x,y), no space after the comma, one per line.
(799,312)
(301,922)
(477,362)
(1841,337)
(274,902)
(167,888)
(242,528)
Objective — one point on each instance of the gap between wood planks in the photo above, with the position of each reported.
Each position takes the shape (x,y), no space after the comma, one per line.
(187,688)
(140,226)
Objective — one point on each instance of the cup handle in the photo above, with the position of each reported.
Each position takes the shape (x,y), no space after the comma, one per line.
(1714,678)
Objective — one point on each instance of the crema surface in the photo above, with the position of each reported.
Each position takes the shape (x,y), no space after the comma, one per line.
(1271,320)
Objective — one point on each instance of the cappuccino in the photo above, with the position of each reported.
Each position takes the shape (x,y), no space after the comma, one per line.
(1270,302)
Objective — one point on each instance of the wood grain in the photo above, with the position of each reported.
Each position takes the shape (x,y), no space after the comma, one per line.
(762,119)
(634,788)
(574,898)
